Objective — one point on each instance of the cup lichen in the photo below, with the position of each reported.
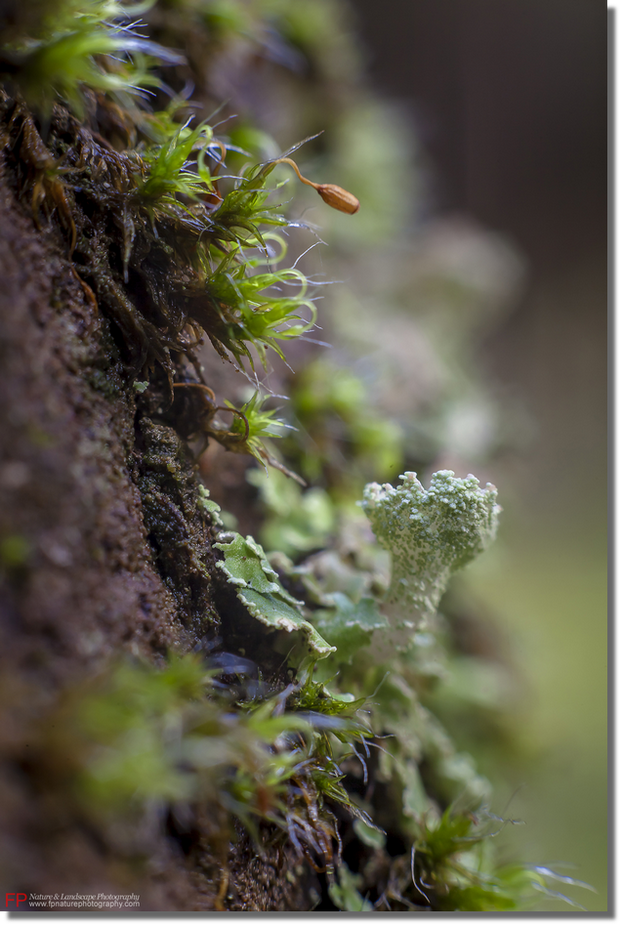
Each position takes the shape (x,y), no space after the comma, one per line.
(430,534)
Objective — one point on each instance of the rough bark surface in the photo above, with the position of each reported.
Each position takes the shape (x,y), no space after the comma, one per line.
(90,567)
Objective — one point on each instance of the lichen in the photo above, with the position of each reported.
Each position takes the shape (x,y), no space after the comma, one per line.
(258,588)
(430,534)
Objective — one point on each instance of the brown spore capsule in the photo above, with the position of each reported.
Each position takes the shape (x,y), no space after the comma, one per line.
(338,198)
(332,195)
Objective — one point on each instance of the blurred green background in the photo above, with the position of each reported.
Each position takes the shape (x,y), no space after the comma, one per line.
(508,99)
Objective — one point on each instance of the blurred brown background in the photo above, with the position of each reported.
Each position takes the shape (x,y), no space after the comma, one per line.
(509,102)
(508,99)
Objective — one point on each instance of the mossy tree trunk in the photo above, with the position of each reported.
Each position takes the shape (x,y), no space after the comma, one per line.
(103,551)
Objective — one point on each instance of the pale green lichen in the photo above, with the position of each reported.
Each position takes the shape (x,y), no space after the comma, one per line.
(258,588)
(257,585)
(211,508)
(430,534)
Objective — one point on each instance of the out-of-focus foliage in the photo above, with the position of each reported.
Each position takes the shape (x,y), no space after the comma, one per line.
(142,738)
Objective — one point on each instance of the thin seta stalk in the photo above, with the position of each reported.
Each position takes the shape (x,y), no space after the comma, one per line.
(332,195)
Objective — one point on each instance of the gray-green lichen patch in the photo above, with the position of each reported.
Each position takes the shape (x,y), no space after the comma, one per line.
(210,507)
(350,625)
(430,534)
(258,588)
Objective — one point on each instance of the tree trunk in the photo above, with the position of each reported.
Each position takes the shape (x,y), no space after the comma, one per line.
(103,551)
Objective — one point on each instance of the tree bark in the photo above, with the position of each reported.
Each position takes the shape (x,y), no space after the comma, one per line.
(103,551)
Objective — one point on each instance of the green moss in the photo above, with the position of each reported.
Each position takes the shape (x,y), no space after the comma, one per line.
(344,439)
(141,738)
(61,54)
